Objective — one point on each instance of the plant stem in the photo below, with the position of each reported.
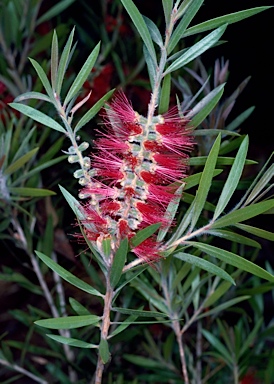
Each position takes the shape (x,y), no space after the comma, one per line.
(17,368)
(160,68)
(179,338)
(105,327)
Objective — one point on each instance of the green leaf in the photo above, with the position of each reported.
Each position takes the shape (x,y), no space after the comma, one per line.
(171,211)
(256,231)
(218,292)
(232,179)
(141,27)
(213,132)
(261,184)
(83,74)
(69,322)
(229,19)
(215,342)
(165,94)
(73,203)
(220,161)
(72,342)
(179,32)
(197,49)
(167,7)
(203,108)
(154,31)
(20,162)
(130,320)
(104,351)
(32,95)
(204,264)
(31,192)
(234,237)
(43,77)
(66,275)
(233,259)
(151,67)
(193,180)
(205,182)
(144,234)
(78,307)
(54,11)
(93,111)
(35,170)
(54,60)
(139,313)
(243,214)
(64,63)
(239,119)
(38,116)
(118,262)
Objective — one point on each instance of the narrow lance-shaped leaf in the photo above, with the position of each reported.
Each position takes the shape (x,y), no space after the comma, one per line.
(150,66)
(165,94)
(20,162)
(64,63)
(55,10)
(154,31)
(256,231)
(239,119)
(38,116)
(233,259)
(232,179)
(243,214)
(194,179)
(261,184)
(197,49)
(203,108)
(219,308)
(141,27)
(43,77)
(167,6)
(83,74)
(118,263)
(216,343)
(78,308)
(178,33)
(144,234)
(69,322)
(72,342)
(66,275)
(138,312)
(104,351)
(234,237)
(31,192)
(205,265)
(32,95)
(205,182)
(92,112)
(73,203)
(229,19)
(171,211)
(54,60)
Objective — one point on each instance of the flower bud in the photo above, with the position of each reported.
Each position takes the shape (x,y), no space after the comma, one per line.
(73,159)
(83,146)
(79,173)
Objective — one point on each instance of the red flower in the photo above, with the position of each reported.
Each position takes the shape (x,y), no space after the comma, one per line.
(135,163)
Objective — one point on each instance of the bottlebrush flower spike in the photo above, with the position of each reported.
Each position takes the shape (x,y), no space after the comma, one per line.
(136,161)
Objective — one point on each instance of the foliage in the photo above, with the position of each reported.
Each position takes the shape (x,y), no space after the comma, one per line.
(167,319)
